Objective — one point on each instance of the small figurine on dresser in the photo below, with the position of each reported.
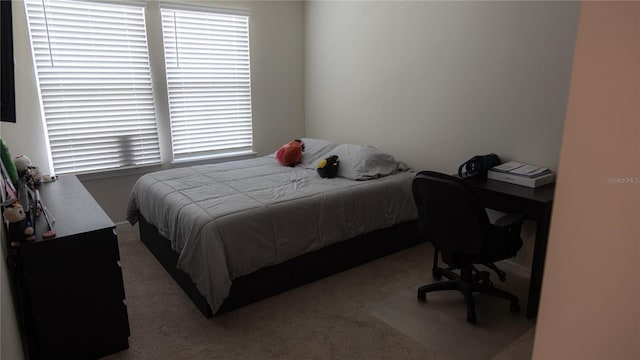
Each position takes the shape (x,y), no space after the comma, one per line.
(20,228)
(31,174)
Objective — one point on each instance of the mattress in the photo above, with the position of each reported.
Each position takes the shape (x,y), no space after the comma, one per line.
(230,219)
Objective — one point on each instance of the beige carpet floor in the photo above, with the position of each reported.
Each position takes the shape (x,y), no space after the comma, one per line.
(440,323)
(327,319)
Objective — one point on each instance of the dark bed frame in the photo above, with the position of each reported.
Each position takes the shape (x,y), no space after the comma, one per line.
(281,277)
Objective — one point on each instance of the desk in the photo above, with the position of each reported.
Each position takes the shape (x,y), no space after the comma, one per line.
(536,205)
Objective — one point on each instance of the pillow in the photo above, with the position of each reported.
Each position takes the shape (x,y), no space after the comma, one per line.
(314,149)
(364,162)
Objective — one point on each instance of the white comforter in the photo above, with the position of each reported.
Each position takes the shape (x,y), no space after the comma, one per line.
(230,219)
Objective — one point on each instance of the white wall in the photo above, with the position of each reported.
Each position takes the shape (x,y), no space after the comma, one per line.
(277,77)
(590,304)
(435,83)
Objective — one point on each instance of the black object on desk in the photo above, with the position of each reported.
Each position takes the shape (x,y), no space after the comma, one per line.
(69,290)
(535,204)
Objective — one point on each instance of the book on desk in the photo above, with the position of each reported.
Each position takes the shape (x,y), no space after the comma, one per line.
(522,174)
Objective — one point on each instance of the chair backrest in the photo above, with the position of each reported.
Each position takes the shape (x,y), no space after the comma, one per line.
(450,214)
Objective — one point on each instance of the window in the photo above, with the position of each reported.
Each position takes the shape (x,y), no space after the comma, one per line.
(208,82)
(95,82)
(92,66)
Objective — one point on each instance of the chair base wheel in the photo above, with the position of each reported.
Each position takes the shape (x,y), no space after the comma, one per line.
(422,297)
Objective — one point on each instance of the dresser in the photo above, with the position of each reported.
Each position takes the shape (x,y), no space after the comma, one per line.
(68,289)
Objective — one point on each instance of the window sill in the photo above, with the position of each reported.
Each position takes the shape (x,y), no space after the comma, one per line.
(151,168)
(212,159)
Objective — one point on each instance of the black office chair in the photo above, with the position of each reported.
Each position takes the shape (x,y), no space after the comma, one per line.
(451,216)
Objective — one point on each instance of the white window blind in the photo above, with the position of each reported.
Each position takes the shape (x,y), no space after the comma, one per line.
(208,82)
(93,72)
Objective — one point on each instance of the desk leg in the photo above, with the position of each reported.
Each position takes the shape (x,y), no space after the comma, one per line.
(537,267)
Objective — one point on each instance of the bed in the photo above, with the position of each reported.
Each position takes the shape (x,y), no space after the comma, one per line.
(235,232)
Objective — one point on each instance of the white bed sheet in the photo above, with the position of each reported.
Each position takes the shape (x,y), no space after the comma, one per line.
(230,219)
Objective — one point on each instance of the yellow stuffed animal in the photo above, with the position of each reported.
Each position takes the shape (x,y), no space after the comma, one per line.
(328,168)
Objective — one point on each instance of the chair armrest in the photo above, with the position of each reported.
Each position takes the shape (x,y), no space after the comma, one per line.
(509,221)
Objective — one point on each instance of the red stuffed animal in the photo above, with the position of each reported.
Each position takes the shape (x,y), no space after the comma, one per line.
(290,154)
